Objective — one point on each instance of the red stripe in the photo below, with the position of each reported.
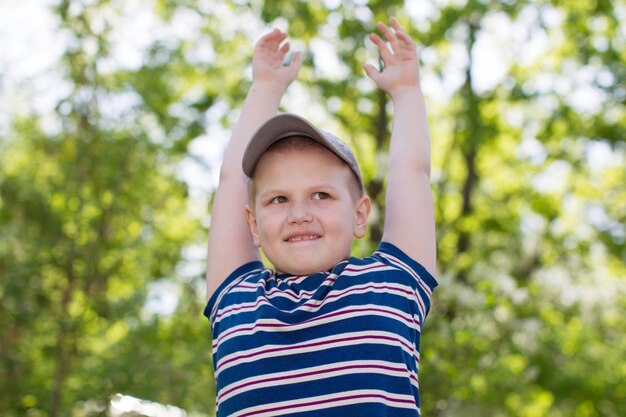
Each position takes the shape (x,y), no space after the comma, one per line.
(304,374)
(417,278)
(305,345)
(315,302)
(319,402)
(268,325)
(351,290)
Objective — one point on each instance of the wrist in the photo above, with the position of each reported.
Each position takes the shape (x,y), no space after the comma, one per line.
(404,93)
(265,96)
(269,87)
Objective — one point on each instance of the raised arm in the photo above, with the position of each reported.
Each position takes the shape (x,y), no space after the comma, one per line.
(230,242)
(409,218)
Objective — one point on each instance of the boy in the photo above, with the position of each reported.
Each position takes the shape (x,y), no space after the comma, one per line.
(324,334)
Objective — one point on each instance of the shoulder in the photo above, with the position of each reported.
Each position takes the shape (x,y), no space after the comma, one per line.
(247,273)
(409,272)
(392,255)
(386,256)
(391,264)
(389,277)
(388,260)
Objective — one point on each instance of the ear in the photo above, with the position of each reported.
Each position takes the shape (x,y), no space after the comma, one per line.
(363,208)
(254,230)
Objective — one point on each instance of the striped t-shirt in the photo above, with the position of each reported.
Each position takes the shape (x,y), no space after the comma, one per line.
(340,343)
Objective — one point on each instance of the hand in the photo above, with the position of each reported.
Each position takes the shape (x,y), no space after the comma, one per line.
(401,66)
(267,63)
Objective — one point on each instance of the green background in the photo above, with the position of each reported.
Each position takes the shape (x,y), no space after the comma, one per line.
(99,226)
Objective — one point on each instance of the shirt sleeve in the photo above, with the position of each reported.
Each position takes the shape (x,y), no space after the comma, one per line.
(233,279)
(424,282)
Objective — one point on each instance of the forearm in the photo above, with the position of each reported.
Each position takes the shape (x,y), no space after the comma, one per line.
(230,242)
(410,139)
(261,103)
(409,211)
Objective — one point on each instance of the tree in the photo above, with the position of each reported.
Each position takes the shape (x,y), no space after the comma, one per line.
(91,214)
(527,173)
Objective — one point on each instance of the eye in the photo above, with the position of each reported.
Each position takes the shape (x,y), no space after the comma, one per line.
(278,200)
(320,195)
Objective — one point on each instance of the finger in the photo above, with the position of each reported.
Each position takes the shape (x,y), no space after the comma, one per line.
(378,41)
(398,31)
(268,36)
(388,33)
(276,42)
(405,46)
(282,51)
(385,30)
(383,48)
(273,38)
(296,61)
(404,39)
(395,25)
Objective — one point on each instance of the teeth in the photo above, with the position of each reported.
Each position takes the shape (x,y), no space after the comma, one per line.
(300,238)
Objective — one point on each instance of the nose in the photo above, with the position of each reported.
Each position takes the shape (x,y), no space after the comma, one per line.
(299,212)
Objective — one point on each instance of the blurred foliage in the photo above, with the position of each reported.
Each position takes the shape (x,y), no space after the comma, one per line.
(528,176)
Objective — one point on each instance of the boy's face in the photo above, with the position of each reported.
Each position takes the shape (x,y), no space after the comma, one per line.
(304,215)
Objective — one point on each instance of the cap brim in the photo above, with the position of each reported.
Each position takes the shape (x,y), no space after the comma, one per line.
(275,129)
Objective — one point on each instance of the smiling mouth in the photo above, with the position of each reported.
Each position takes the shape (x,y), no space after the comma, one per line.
(302,238)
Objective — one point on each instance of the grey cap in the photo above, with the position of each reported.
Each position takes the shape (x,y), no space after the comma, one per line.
(287,124)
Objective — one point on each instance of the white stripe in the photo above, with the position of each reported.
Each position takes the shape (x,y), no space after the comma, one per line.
(277,326)
(296,279)
(281,290)
(353,270)
(361,270)
(417,278)
(314,305)
(241,308)
(234,283)
(377,288)
(410,270)
(320,402)
(317,373)
(314,345)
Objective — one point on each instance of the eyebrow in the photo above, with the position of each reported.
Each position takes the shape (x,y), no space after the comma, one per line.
(270,193)
(314,187)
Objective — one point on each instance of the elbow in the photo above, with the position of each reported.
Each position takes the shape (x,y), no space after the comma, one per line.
(415,165)
(229,174)
(423,168)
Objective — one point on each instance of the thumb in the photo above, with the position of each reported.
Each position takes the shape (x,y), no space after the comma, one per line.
(296,61)
(371,72)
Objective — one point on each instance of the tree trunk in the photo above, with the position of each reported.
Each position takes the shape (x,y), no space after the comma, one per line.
(375,186)
(470,151)
(63,352)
